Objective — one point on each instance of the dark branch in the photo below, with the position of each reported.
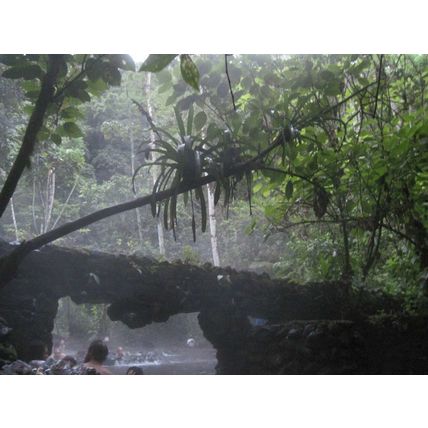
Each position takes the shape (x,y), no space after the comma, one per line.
(146,114)
(379,76)
(228,80)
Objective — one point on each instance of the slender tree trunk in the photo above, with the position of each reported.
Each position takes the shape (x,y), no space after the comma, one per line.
(213,225)
(154,170)
(137,210)
(347,267)
(15,226)
(33,207)
(50,197)
(65,203)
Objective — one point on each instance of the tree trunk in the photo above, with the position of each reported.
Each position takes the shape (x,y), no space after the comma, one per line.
(15,225)
(137,210)
(213,225)
(49,199)
(34,125)
(154,170)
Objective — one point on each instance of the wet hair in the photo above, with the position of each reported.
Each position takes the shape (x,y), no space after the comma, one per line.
(134,370)
(97,351)
(69,359)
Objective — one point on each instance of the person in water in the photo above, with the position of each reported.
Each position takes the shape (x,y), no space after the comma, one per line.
(134,370)
(120,354)
(95,357)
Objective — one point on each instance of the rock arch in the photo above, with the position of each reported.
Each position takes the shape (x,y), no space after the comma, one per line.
(310,329)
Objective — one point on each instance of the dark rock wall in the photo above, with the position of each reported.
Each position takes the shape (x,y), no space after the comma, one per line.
(378,345)
(140,291)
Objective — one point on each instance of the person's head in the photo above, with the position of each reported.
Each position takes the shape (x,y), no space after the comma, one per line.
(119,351)
(97,351)
(134,371)
(57,354)
(69,361)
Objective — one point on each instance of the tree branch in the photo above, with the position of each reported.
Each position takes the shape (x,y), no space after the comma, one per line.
(378,85)
(34,125)
(228,80)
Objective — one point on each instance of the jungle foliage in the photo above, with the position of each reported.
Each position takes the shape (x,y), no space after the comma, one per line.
(320,162)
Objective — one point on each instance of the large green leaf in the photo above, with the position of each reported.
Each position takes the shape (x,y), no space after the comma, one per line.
(157,62)
(27,72)
(112,75)
(200,120)
(125,62)
(70,129)
(189,71)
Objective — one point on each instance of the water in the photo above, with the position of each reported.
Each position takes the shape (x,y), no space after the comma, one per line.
(182,361)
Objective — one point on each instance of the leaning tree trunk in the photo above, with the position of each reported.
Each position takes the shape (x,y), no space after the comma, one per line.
(34,125)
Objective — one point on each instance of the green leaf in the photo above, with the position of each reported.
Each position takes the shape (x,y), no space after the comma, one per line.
(153,207)
(157,62)
(83,96)
(189,71)
(12,59)
(112,75)
(165,215)
(32,94)
(56,139)
(289,190)
(126,63)
(26,72)
(193,227)
(77,90)
(186,102)
(43,134)
(71,113)
(275,177)
(257,187)
(94,69)
(173,210)
(200,120)
(70,129)
(200,194)
(97,87)
(32,71)
(212,131)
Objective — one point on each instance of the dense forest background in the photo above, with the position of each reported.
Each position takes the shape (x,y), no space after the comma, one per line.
(342,194)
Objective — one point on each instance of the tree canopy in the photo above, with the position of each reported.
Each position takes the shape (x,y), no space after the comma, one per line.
(326,152)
